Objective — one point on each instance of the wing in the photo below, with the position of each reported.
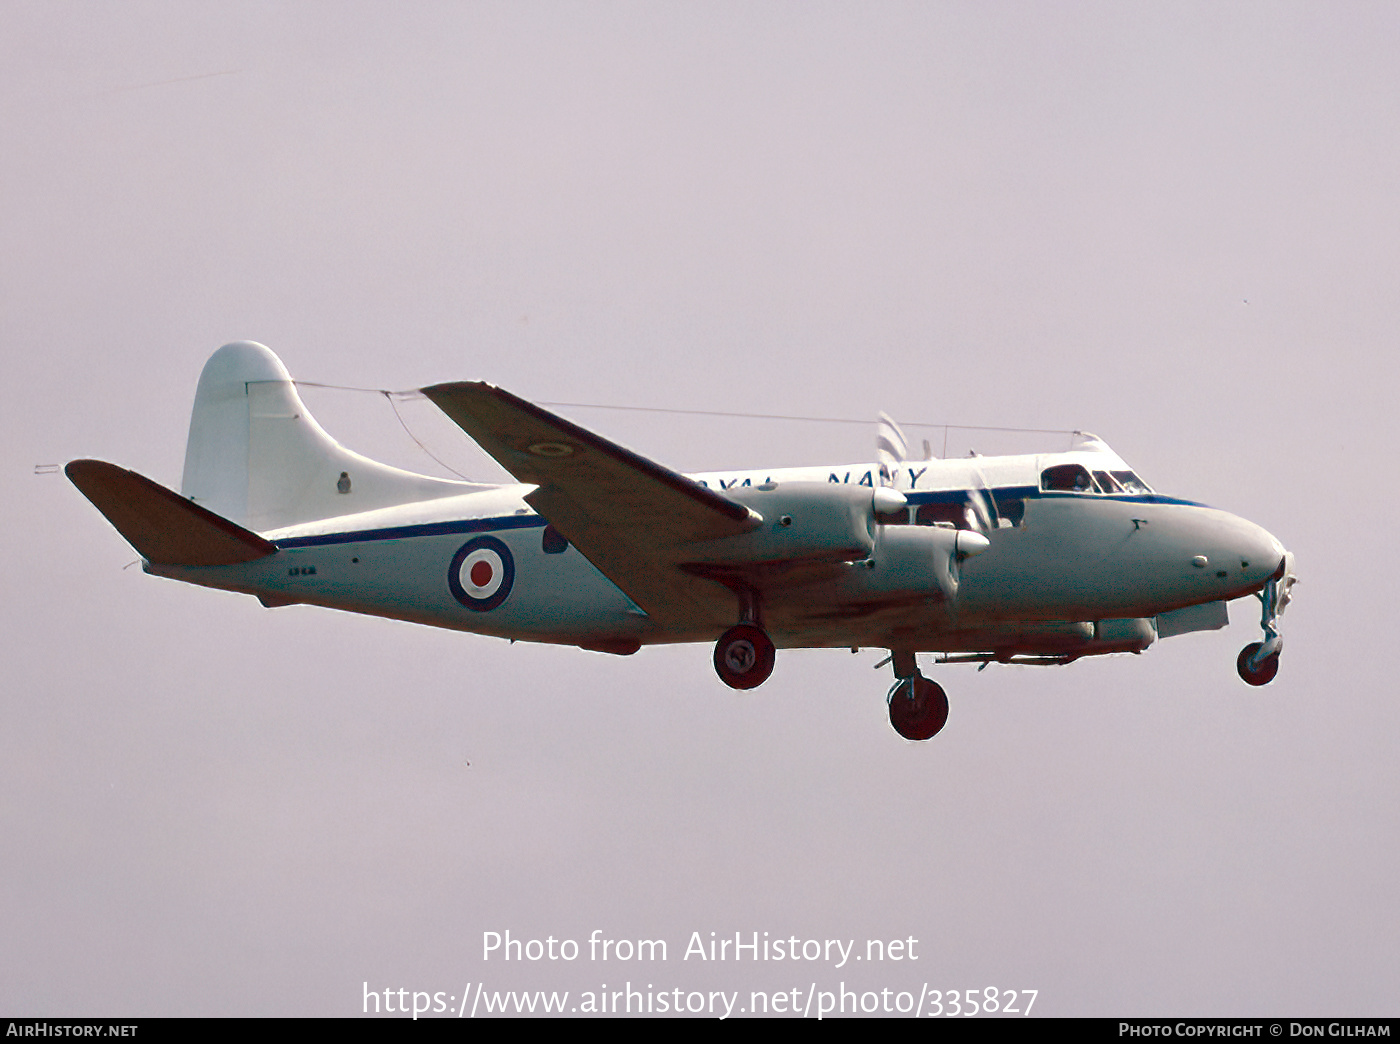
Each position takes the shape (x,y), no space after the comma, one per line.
(626,514)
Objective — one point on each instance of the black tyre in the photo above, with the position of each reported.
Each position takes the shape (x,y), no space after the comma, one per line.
(1263,673)
(744,657)
(919,708)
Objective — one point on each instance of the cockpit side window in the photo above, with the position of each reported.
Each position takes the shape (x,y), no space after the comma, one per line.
(1067,478)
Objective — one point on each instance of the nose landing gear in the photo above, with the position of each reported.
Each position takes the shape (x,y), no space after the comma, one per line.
(1258,661)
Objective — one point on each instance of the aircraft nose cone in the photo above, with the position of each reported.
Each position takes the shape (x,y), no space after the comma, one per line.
(1256,552)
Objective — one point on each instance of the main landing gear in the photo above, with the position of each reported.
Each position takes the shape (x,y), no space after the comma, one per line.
(918,707)
(1258,661)
(744,656)
(744,653)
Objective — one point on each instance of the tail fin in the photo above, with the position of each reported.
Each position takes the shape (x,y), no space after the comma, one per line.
(256,455)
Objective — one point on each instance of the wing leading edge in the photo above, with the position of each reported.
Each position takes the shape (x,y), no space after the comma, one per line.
(628,515)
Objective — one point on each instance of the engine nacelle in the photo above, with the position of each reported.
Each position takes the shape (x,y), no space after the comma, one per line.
(915,561)
(814,521)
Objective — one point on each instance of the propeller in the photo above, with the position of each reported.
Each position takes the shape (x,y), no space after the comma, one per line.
(943,549)
(981,508)
(891,448)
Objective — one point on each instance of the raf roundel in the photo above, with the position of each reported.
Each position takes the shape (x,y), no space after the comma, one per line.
(481,574)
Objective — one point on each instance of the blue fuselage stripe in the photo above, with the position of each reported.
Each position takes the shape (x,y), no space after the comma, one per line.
(466,525)
(954,496)
(487,525)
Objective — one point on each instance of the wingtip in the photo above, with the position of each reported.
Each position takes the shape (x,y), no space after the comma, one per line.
(446,388)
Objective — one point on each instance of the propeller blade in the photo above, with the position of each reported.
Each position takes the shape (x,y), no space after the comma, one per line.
(891,447)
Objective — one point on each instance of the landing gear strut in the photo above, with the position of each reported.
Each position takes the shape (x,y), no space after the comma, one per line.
(1258,661)
(918,707)
(744,656)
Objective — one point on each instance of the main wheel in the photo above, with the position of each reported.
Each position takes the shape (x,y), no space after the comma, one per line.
(1260,675)
(744,657)
(918,708)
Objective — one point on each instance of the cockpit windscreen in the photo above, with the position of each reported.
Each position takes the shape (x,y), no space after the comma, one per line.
(1075,478)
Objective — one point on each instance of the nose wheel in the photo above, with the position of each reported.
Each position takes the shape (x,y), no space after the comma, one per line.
(1260,673)
(744,657)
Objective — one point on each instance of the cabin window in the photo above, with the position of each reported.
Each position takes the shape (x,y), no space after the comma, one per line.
(1067,478)
(955,515)
(962,509)
(1013,509)
(554,541)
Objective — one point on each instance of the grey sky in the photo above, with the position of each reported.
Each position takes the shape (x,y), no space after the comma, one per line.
(1174,225)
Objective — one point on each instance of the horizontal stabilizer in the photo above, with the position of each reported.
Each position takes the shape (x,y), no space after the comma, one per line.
(164,527)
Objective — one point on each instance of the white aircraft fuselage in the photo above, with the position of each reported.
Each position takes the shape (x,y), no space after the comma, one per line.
(1070,557)
(1024,559)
